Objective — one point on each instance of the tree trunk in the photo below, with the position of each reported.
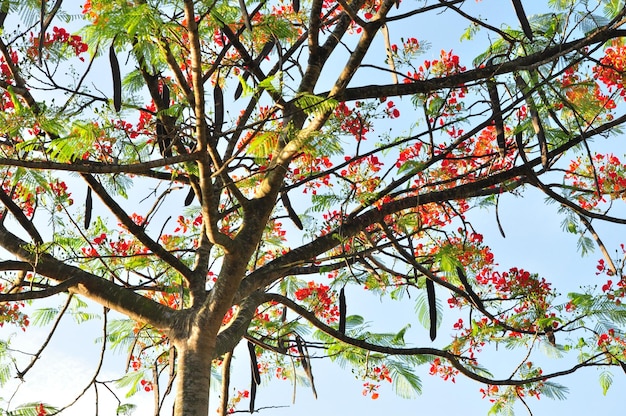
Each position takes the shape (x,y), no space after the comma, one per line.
(193,374)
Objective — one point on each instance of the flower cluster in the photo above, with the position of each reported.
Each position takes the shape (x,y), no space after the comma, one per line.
(352,121)
(611,71)
(59,37)
(321,299)
(241,394)
(10,313)
(445,371)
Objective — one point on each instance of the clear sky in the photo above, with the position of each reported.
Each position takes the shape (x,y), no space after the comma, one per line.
(534,240)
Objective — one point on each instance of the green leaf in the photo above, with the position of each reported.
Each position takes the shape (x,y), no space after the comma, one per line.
(354,321)
(612,8)
(411,166)
(30,409)
(447,256)
(263,144)
(125,409)
(75,145)
(43,316)
(313,104)
(272,83)
(399,338)
(421,308)
(80,317)
(247,90)
(130,380)
(17,103)
(470,32)
(554,391)
(500,408)
(405,382)
(5,373)
(606,379)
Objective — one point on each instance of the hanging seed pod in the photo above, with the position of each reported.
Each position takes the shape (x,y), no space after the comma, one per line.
(88,208)
(523,20)
(432,308)
(342,311)
(497,115)
(218,103)
(290,211)
(117,79)
(473,296)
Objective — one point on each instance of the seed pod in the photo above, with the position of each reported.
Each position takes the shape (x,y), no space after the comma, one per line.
(305,360)
(252,395)
(218,102)
(117,79)
(254,365)
(497,115)
(189,197)
(432,308)
(165,95)
(245,15)
(550,335)
(88,208)
(342,311)
(534,117)
(523,20)
(290,211)
(473,296)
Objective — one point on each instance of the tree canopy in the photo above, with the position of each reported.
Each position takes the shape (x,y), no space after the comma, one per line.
(224,173)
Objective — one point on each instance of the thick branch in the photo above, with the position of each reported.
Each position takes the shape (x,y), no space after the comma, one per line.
(89,285)
(455,360)
(136,229)
(528,62)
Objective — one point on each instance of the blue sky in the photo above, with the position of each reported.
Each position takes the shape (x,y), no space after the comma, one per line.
(534,241)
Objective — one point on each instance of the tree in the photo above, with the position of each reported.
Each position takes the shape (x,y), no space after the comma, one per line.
(241,174)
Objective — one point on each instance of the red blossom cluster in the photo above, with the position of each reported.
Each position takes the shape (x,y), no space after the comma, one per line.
(146,385)
(514,282)
(612,67)
(352,121)
(613,344)
(41,410)
(307,165)
(579,90)
(239,396)
(59,36)
(391,110)
(10,313)
(184,223)
(321,299)
(490,391)
(605,173)
(447,64)
(371,389)
(445,371)
(4,67)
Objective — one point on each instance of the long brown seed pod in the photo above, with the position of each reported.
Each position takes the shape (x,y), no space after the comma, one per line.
(342,311)
(523,20)
(468,288)
(534,117)
(254,365)
(218,103)
(432,308)
(492,89)
(88,208)
(117,79)
(290,211)
(245,15)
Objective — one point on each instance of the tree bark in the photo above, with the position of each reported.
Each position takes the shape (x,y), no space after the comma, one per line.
(193,373)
